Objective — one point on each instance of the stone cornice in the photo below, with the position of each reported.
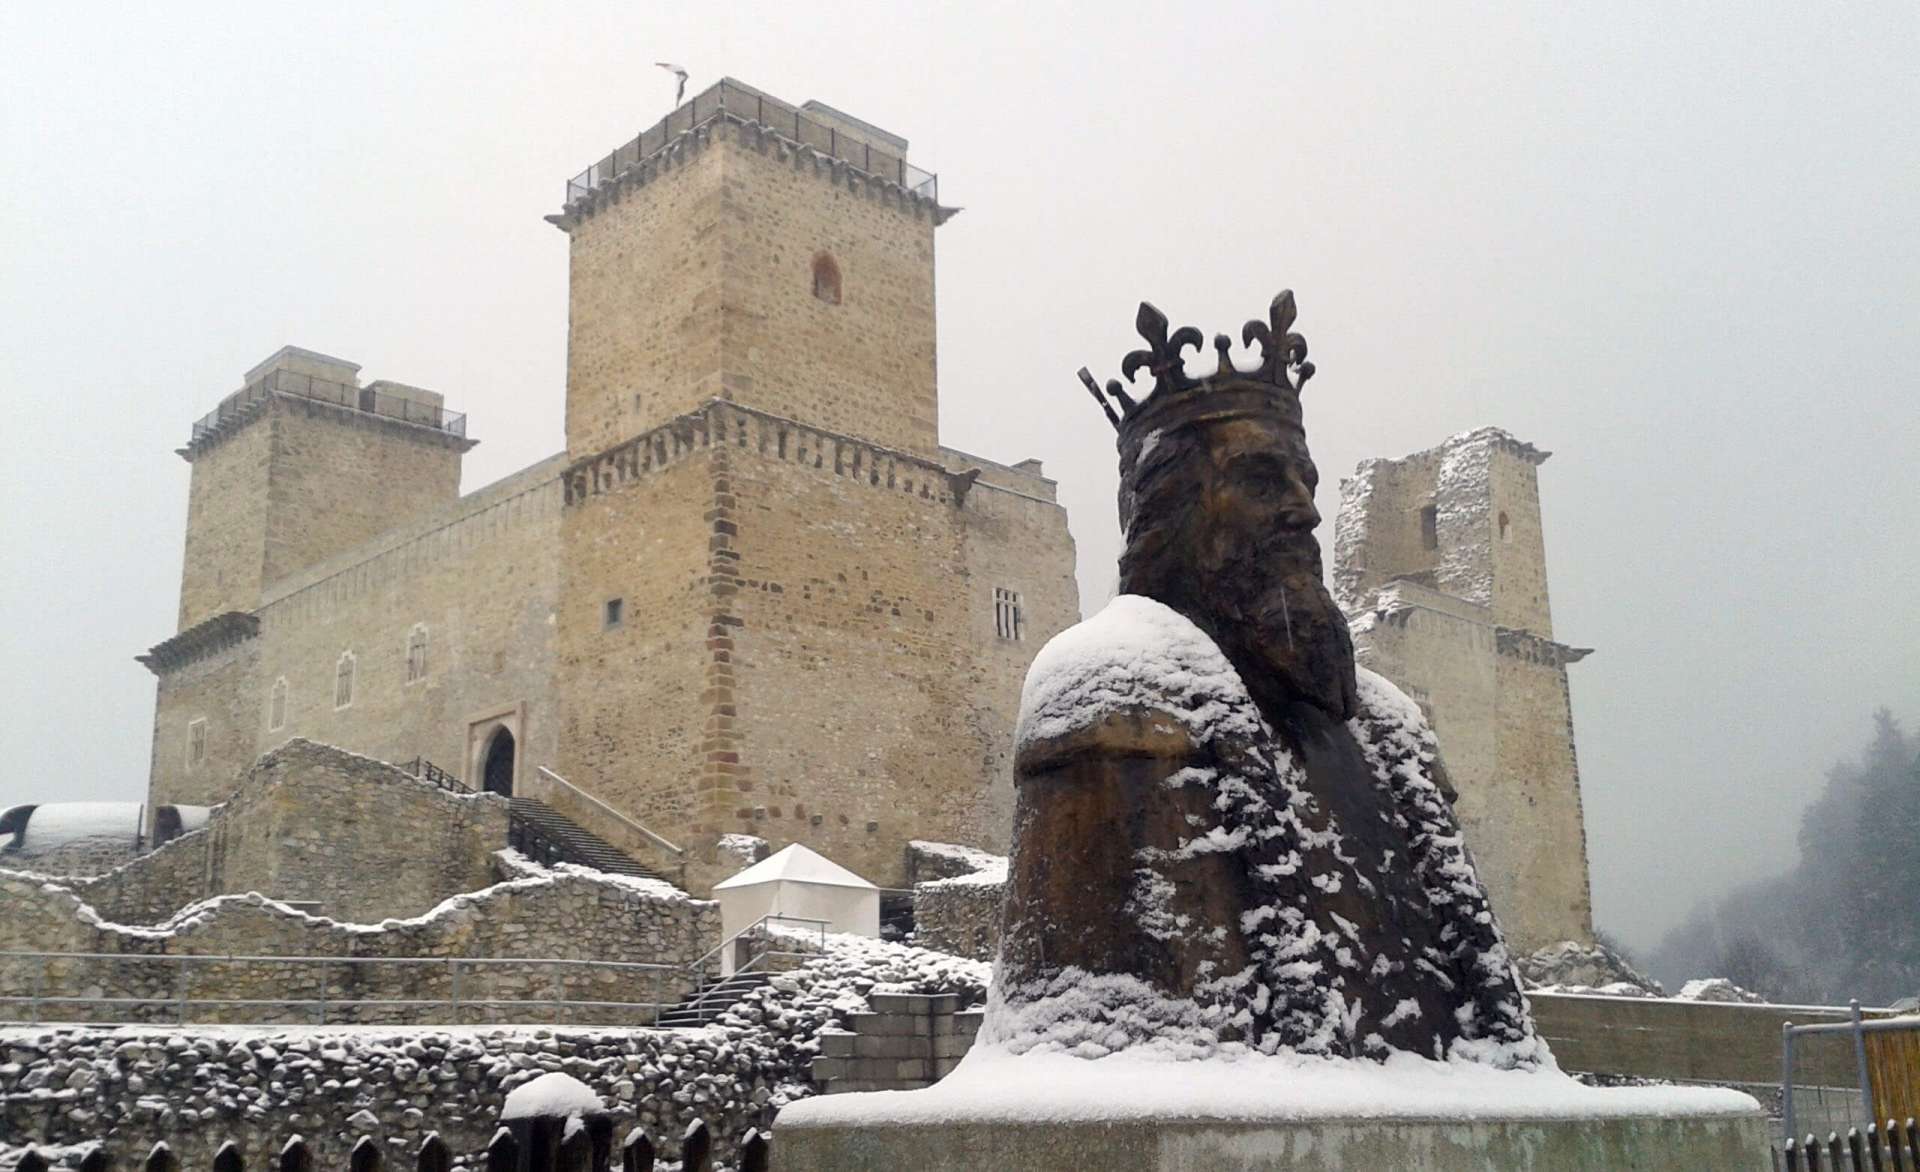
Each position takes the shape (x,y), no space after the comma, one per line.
(763,140)
(771,436)
(205,638)
(1518,644)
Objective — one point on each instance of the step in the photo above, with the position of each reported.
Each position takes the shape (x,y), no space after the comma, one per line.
(575,843)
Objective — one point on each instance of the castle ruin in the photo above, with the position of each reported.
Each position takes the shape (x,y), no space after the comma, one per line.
(1440,563)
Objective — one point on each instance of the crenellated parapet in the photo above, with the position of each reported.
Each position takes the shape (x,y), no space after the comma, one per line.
(816,139)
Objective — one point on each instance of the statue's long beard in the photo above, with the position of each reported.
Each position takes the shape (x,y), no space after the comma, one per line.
(1264,603)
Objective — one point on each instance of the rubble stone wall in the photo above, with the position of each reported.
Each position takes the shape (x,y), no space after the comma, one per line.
(960,916)
(567,913)
(346,836)
(196,1090)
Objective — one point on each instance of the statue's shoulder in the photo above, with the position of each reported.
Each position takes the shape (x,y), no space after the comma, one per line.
(1395,734)
(1139,678)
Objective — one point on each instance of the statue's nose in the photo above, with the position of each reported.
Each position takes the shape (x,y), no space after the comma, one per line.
(1299,508)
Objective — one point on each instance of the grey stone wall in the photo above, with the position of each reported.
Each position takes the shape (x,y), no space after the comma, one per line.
(567,913)
(905,1042)
(345,836)
(196,1090)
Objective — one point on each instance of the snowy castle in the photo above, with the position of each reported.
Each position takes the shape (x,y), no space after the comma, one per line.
(755,599)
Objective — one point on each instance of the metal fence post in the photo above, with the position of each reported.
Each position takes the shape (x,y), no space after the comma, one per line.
(1860,1060)
(320,1005)
(39,988)
(180,993)
(453,988)
(1786,1077)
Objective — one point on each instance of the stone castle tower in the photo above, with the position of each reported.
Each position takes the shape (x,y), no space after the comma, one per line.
(755,595)
(1440,561)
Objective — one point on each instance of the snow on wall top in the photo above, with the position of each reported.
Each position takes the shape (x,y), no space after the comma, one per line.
(553,1093)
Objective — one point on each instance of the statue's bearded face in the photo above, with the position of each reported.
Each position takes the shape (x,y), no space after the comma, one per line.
(1219,520)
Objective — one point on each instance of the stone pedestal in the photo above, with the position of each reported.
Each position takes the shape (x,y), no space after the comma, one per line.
(1037,1116)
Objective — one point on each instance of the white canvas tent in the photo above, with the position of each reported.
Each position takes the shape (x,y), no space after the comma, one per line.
(801,883)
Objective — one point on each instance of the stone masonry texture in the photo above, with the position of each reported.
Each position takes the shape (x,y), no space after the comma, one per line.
(1452,606)
(805,646)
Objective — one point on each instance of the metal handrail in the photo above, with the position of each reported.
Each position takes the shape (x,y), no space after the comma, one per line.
(700,964)
(656,839)
(356,398)
(319,1005)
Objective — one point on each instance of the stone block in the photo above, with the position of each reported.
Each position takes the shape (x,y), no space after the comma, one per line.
(825,1068)
(896,1024)
(915,1003)
(895,1046)
(952,1046)
(838,1043)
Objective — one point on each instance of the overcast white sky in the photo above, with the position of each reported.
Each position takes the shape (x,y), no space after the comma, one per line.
(1678,244)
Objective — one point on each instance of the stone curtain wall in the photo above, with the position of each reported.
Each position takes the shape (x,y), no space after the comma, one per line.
(196,1090)
(809,642)
(957,893)
(566,913)
(226,539)
(361,839)
(482,576)
(961,916)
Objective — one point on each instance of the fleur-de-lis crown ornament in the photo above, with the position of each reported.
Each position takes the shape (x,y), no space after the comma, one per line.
(1273,388)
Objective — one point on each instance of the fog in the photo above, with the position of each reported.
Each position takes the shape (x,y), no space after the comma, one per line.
(1679,246)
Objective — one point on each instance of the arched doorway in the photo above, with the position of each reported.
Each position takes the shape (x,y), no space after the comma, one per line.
(496,774)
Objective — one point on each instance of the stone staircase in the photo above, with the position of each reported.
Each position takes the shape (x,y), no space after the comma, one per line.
(705,1004)
(547,836)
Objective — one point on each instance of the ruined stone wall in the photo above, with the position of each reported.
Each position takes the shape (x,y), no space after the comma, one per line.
(862,366)
(345,836)
(340,477)
(480,577)
(226,539)
(567,913)
(643,302)
(1465,628)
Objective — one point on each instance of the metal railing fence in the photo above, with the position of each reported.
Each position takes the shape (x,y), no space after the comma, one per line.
(306,386)
(427,771)
(325,988)
(1886,1063)
(726,97)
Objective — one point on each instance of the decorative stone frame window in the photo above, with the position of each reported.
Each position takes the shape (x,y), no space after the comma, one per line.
(196,741)
(417,653)
(1008,621)
(277,705)
(343,681)
(613,614)
(826,278)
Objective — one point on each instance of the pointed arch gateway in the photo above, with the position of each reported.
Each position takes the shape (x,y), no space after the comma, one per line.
(496,769)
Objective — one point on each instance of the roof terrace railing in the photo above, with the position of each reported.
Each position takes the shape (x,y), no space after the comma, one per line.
(726,97)
(305,386)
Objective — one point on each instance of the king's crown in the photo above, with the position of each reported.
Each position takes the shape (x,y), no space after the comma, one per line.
(1271,388)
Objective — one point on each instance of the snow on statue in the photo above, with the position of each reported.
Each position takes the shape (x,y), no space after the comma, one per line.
(1226,838)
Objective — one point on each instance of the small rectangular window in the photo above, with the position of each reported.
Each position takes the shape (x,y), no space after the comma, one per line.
(417,654)
(1430,527)
(196,742)
(277,706)
(1008,622)
(615,612)
(343,680)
